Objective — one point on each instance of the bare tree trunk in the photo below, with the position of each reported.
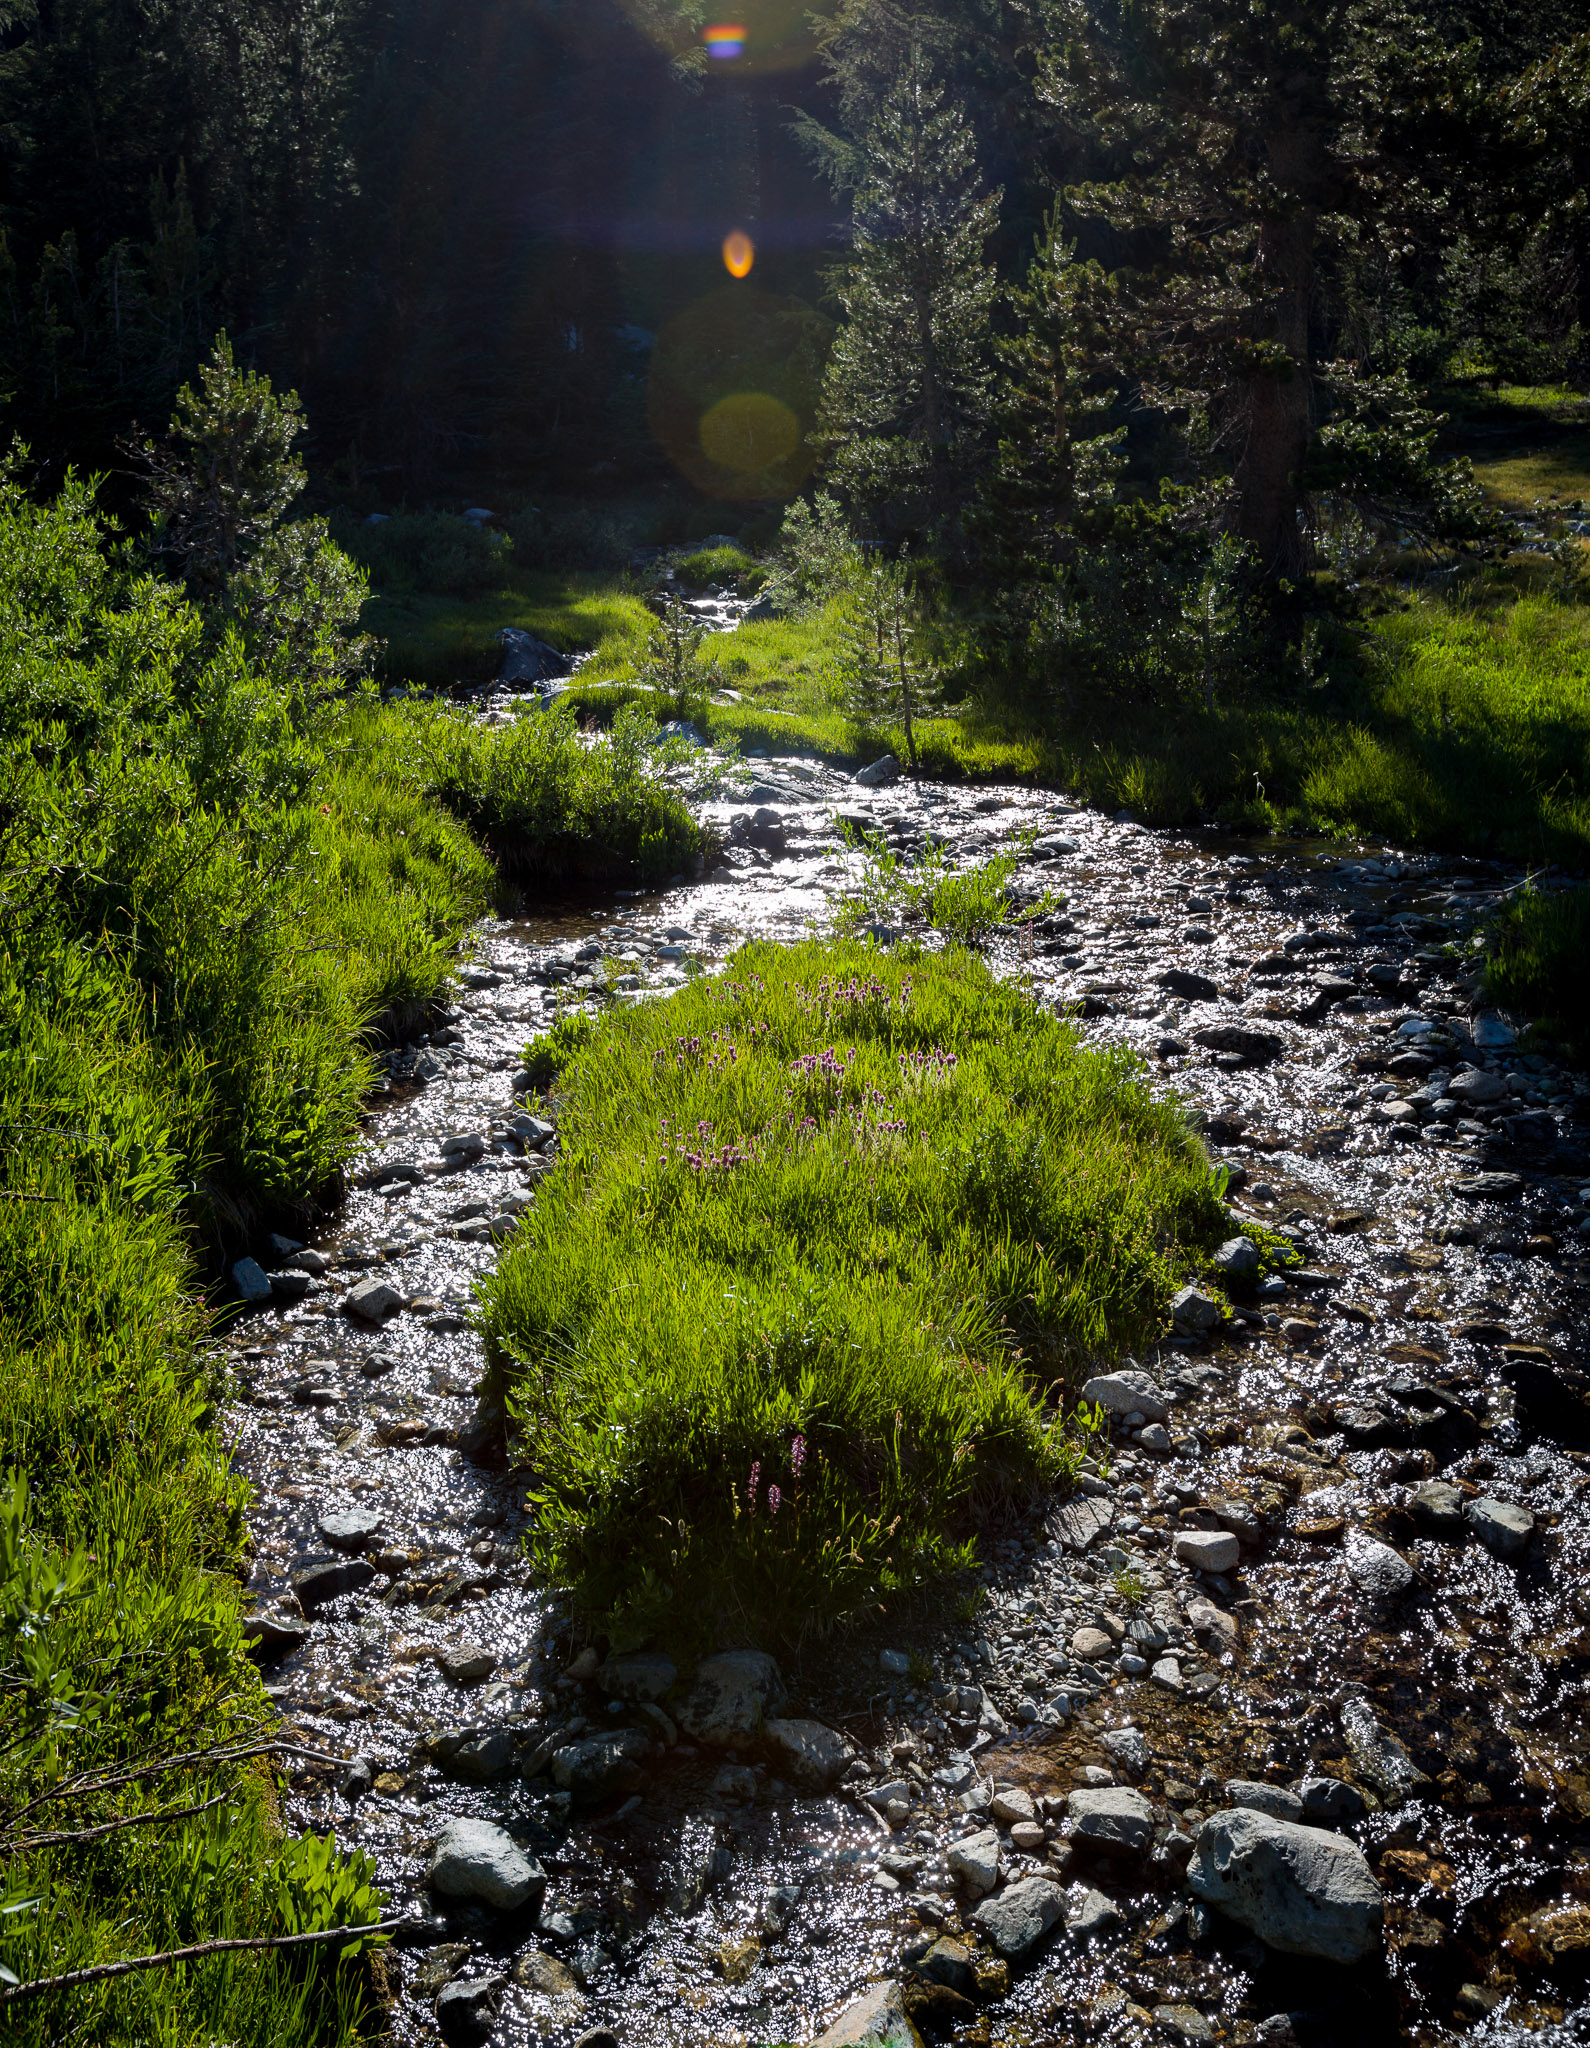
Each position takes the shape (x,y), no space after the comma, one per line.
(1279,413)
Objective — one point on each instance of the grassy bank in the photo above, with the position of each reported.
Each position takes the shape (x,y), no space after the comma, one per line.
(1538,964)
(838,1225)
(215,893)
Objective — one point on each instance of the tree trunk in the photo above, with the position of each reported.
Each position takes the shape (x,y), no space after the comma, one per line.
(1279,413)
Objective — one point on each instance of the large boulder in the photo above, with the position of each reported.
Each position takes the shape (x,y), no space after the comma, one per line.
(731,1697)
(1128,1392)
(525,659)
(475,1859)
(1303,1891)
(1018,1918)
(877,2019)
(814,1756)
(1112,1819)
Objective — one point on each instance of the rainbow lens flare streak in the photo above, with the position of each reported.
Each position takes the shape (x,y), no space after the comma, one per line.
(725,42)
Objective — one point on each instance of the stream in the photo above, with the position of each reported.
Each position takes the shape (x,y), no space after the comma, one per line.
(1422,1655)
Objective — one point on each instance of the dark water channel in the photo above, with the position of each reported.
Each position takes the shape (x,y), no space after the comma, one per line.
(1436,1329)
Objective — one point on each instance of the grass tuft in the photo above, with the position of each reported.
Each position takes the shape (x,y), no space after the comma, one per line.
(841,1225)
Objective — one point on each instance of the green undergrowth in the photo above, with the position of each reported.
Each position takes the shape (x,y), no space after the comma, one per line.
(553,807)
(215,893)
(1538,963)
(842,1225)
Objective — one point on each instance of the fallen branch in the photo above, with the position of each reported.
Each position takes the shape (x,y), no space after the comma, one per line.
(111,1781)
(101,1972)
(109,1827)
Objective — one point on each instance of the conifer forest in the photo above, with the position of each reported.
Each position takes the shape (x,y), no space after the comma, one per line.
(794,1023)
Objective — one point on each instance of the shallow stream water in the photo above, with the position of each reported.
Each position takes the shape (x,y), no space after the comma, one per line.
(1435,1329)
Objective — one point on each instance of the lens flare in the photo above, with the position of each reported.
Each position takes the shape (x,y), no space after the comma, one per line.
(749,433)
(733,390)
(739,253)
(725,42)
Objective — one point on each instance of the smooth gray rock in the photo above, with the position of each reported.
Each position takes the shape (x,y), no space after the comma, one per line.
(639,1675)
(373,1301)
(475,1859)
(1193,1314)
(1375,1568)
(330,1579)
(1476,1084)
(1439,1507)
(730,1697)
(467,2009)
(1501,1526)
(975,1861)
(1208,1550)
(467,1663)
(251,1280)
(1274,1800)
(603,1766)
(1237,1259)
(1018,1918)
(1302,1891)
(877,2019)
(1112,1819)
(349,1529)
(476,1756)
(878,773)
(813,1756)
(1128,1392)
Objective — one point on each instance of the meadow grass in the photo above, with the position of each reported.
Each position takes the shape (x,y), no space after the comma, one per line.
(214,897)
(438,639)
(1538,961)
(841,1225)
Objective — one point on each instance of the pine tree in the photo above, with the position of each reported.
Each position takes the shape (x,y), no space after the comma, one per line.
(881,665)
(1244,150)
(907,395)
(227,473)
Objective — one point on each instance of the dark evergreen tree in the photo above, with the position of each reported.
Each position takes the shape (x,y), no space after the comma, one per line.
(908,393)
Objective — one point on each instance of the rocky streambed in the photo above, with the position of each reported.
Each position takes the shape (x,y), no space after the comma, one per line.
(1273,1731)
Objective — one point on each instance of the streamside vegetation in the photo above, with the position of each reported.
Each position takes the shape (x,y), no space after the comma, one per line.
(804,1306)
(226,870)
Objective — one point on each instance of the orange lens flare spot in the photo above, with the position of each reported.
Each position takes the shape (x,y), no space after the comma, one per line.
(739,253)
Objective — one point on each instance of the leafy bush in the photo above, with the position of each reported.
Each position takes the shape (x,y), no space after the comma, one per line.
(431,553)
(551,805)
(572,537)
(826,1236)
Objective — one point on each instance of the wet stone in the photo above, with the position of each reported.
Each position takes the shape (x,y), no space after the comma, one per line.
(475,1859)
(1193,1314)
(814,1756)
(603,1767)
(1438,1507)
(1020,1916)
(1502,1526)
(373,1301)
(877,2019)
(1114,1820)
(317,1584)
(467,2010)
(1094,1914)
(639,1675)
(349,1529)
(1375,1568)
(1301,1890)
